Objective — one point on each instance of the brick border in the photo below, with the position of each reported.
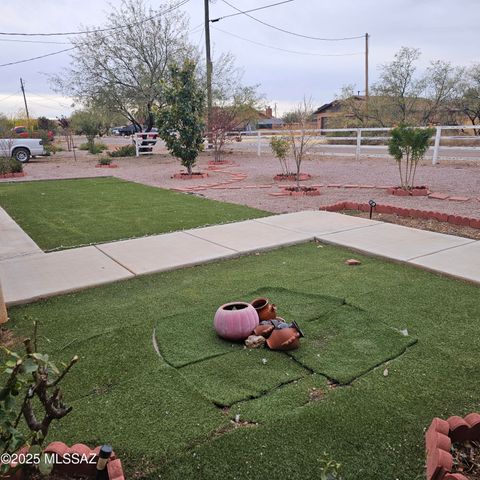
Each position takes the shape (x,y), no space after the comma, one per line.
(406,212)
(13,175)
(438,442)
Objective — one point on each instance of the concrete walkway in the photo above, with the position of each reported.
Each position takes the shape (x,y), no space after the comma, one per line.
(29,274)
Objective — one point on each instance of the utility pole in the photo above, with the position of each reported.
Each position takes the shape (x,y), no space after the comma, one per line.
(366,73)
(209,71)
(25,100)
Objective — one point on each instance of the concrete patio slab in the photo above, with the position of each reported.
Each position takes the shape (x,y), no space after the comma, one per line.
(14,241)
(394,241)
(462,262)
(316,222)
(164,252)
(28,278)
(250,236)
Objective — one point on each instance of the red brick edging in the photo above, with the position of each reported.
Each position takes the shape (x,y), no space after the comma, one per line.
(438,442)
(405,212)
(12,175)
(108,165)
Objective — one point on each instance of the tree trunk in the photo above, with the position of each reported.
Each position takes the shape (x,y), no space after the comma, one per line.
(150,118)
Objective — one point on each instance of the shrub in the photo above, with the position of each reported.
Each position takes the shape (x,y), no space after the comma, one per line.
(105,161)
(281,147)
(94,148)
(125,151)
(10,165)
(408,145)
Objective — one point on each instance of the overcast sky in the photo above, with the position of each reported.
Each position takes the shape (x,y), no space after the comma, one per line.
(442,29)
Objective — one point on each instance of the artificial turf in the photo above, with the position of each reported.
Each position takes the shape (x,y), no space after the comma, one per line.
(169,413)
(67,213)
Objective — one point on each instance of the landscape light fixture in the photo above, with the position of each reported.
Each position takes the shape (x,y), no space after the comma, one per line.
(372,204)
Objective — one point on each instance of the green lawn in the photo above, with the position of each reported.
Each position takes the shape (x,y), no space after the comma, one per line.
(68,213)
(170,415)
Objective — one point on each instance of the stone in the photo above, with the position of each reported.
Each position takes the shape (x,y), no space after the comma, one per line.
(353,261)
(255,341)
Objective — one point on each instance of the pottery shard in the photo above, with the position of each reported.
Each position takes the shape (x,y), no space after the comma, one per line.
(353,261)
(255,341)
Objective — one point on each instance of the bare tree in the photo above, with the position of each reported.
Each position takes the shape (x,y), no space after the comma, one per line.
(468,98)
(124,68)
(441,80)
(234,104)
(302,139)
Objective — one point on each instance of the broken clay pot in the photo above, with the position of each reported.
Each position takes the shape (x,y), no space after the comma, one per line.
(285,338)
(264,329)
(265,309)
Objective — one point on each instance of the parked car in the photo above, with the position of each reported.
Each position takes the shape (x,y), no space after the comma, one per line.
(129,130)
(23,132)
(22,149)
(116,130)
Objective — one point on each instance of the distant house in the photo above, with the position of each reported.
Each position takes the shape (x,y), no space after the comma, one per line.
(347,113)
(335,111)
(261,120)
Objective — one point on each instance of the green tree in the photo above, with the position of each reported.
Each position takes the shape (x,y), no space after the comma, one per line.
(88,123)
(408,145)
(180,122)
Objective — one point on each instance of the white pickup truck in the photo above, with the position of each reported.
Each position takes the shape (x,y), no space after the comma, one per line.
(22,149)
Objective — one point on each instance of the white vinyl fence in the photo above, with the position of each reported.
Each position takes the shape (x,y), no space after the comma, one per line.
(259,140)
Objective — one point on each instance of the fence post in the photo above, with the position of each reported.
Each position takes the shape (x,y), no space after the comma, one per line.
(359,144)
(259,144)
(436,148)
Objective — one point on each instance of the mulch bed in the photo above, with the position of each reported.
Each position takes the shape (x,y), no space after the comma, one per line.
(466,459)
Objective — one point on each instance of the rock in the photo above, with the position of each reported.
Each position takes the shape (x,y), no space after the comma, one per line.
(353,261)
(255,341)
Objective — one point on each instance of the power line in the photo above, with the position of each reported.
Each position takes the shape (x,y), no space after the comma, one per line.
(180,4)
(252,10)
(32,41)
(37,58)
(289,51)
(9,96)
(183,2)
(288,31)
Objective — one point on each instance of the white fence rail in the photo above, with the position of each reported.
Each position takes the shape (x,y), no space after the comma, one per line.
(357,136)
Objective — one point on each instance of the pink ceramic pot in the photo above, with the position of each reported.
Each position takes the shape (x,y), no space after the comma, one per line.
(235,321)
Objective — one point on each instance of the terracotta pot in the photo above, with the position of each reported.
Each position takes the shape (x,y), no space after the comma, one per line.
(72,468)
(284,337)
(265,310)
(264,329)
(235,321)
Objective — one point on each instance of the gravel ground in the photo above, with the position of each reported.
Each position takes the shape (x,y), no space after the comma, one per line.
(453,178)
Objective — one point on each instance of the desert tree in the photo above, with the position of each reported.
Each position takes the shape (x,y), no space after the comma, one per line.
(399,83)
(88,123)
(467,101)
(122,67)
(180,121)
